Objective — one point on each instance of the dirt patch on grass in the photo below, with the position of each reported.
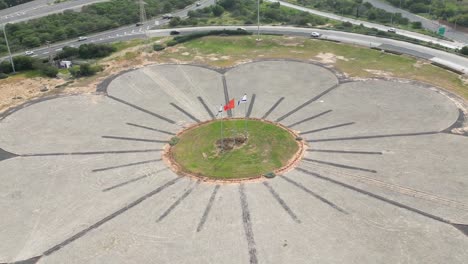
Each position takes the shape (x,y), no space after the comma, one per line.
(329,58)
(379,73)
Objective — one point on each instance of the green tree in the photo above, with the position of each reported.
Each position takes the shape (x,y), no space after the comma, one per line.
(218,10)
(464,50)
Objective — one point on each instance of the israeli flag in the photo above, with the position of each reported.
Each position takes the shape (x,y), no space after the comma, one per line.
(243,100)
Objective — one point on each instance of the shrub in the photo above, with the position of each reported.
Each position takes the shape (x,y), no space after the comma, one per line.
(464,50)
(49,71)
(174,141)
(416,25)
(84,70)
(171,42)
(67,52)
(158,47)
(3,75)
(89,51)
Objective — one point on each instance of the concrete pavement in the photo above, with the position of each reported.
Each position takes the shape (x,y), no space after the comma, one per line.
(382,181)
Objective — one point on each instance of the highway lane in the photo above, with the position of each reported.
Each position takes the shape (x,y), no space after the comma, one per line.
(428,24)
(40,8)
(414,35)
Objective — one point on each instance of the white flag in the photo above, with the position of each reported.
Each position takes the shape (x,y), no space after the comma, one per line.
(220,110)
(243,100)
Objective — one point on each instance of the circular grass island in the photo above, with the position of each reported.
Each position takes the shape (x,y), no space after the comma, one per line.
(247,149)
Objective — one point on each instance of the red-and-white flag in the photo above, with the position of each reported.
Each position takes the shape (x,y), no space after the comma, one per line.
(229,105)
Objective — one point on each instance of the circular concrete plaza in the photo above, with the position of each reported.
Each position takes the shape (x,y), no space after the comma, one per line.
(383,179)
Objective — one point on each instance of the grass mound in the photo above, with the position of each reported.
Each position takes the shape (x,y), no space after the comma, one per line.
(248,148)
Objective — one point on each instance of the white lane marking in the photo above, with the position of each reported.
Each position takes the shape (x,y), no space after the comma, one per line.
(45,52)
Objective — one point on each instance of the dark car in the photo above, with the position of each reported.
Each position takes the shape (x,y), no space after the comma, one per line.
(174,32)
(139,24)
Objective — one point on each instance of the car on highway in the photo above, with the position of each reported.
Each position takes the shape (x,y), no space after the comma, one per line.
(29,53)
(167,16)
(82,38)
(315,34)
(198,4)
(392,30)
(174,32)
(241,29)
(139,24)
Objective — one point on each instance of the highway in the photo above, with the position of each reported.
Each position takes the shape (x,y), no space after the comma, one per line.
(414,35)
(40,8)
(428,24)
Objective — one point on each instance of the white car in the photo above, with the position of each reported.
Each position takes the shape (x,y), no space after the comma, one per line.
(241,29)
(392,30)
(167,16)
(198,4)
(29,53)
(82,38)
(315,34)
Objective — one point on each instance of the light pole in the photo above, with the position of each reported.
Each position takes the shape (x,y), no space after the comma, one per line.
(258,19)
(8,47)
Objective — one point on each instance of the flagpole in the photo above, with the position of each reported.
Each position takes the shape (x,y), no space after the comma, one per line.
(245,118)
(222,137)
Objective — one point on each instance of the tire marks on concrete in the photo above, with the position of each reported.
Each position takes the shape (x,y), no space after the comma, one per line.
(374,136)
(177,202)
(185,113)
(247,223)
(109,217)
(127,165)
(327,128)
(307,103)
(324,200)
(150,128)
(136,139)
(346,151)
(461,227)
(208,110)
(272,108)
(90,153)
(282,203)
(339,165)
(208,208)
(252,101)
(142,109)
(310,118)
(226,94)
(133,180)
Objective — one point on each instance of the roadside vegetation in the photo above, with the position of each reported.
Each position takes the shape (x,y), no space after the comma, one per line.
(9,3)
(453,11)
(362,10)
(42,67)
(92,19)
